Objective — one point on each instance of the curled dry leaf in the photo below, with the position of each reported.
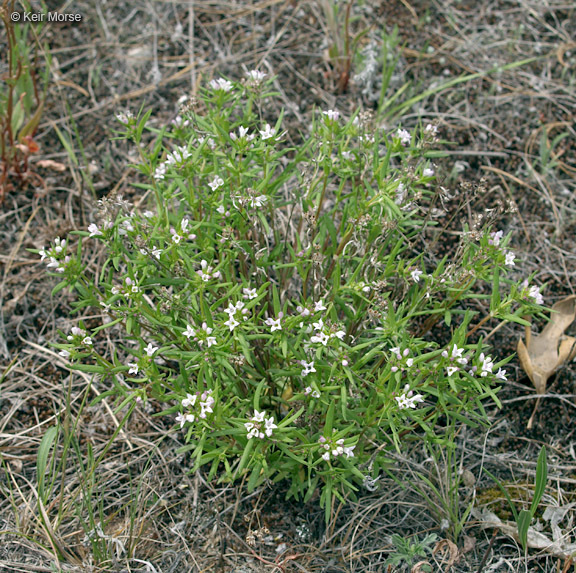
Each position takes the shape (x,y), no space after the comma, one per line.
(49,164)
(448,552)
(421,567)
(543,354)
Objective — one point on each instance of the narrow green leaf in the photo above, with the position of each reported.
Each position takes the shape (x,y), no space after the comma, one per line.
(541,480)
(42,458)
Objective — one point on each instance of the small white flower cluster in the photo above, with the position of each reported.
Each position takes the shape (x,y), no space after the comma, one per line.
(243,135)
(130,287)
(532,292)
(250,198)
(324,334)
(95,231)
(404,136)
(408,399)
(494,240)
(179,121)
(216,183)
(402,356)
(125,117)
(207,273)
(332,115)
(486,367)
(177,158)
(334,448)
(258,430)
(455,355)
(199,405)
(234,312)
(183,233)
(309,391)
(201,336)
(318,307)
(254,78)
(221,85)
(78,334)
(56,255)
(268,133)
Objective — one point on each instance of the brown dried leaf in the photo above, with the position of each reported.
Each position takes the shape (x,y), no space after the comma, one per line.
(448,553)
(49,164)
(543,354)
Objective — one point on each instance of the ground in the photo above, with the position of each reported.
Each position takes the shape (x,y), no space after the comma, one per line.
(502,124)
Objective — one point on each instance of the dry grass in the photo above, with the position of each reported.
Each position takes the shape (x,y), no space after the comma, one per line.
(154,515)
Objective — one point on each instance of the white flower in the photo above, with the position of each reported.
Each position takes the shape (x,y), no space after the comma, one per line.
(189,332)
(76,331)
(416,274)
(249,293)
(87,341)
(318,325)
(150,349)
(179,155)
(332,115)
(404,136)
(64,353)
(510,256)
(242,134)
(94,230)
(501,374)
(349,451)
(534,293)
(270,426)
(255,77)
(267,132)
(257,202)
(428,172)
(495,238)
(207,273)
(231,323)
(451,370)
(408,399)
(308,367)
(221,84)
(273,324)
(160,172)
(319,306)
(321,337)
(487,365)
(216,182)
(133,368)
(340,334)
(189,401)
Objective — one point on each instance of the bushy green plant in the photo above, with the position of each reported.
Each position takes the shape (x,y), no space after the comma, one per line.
(22,94)
(284,301)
